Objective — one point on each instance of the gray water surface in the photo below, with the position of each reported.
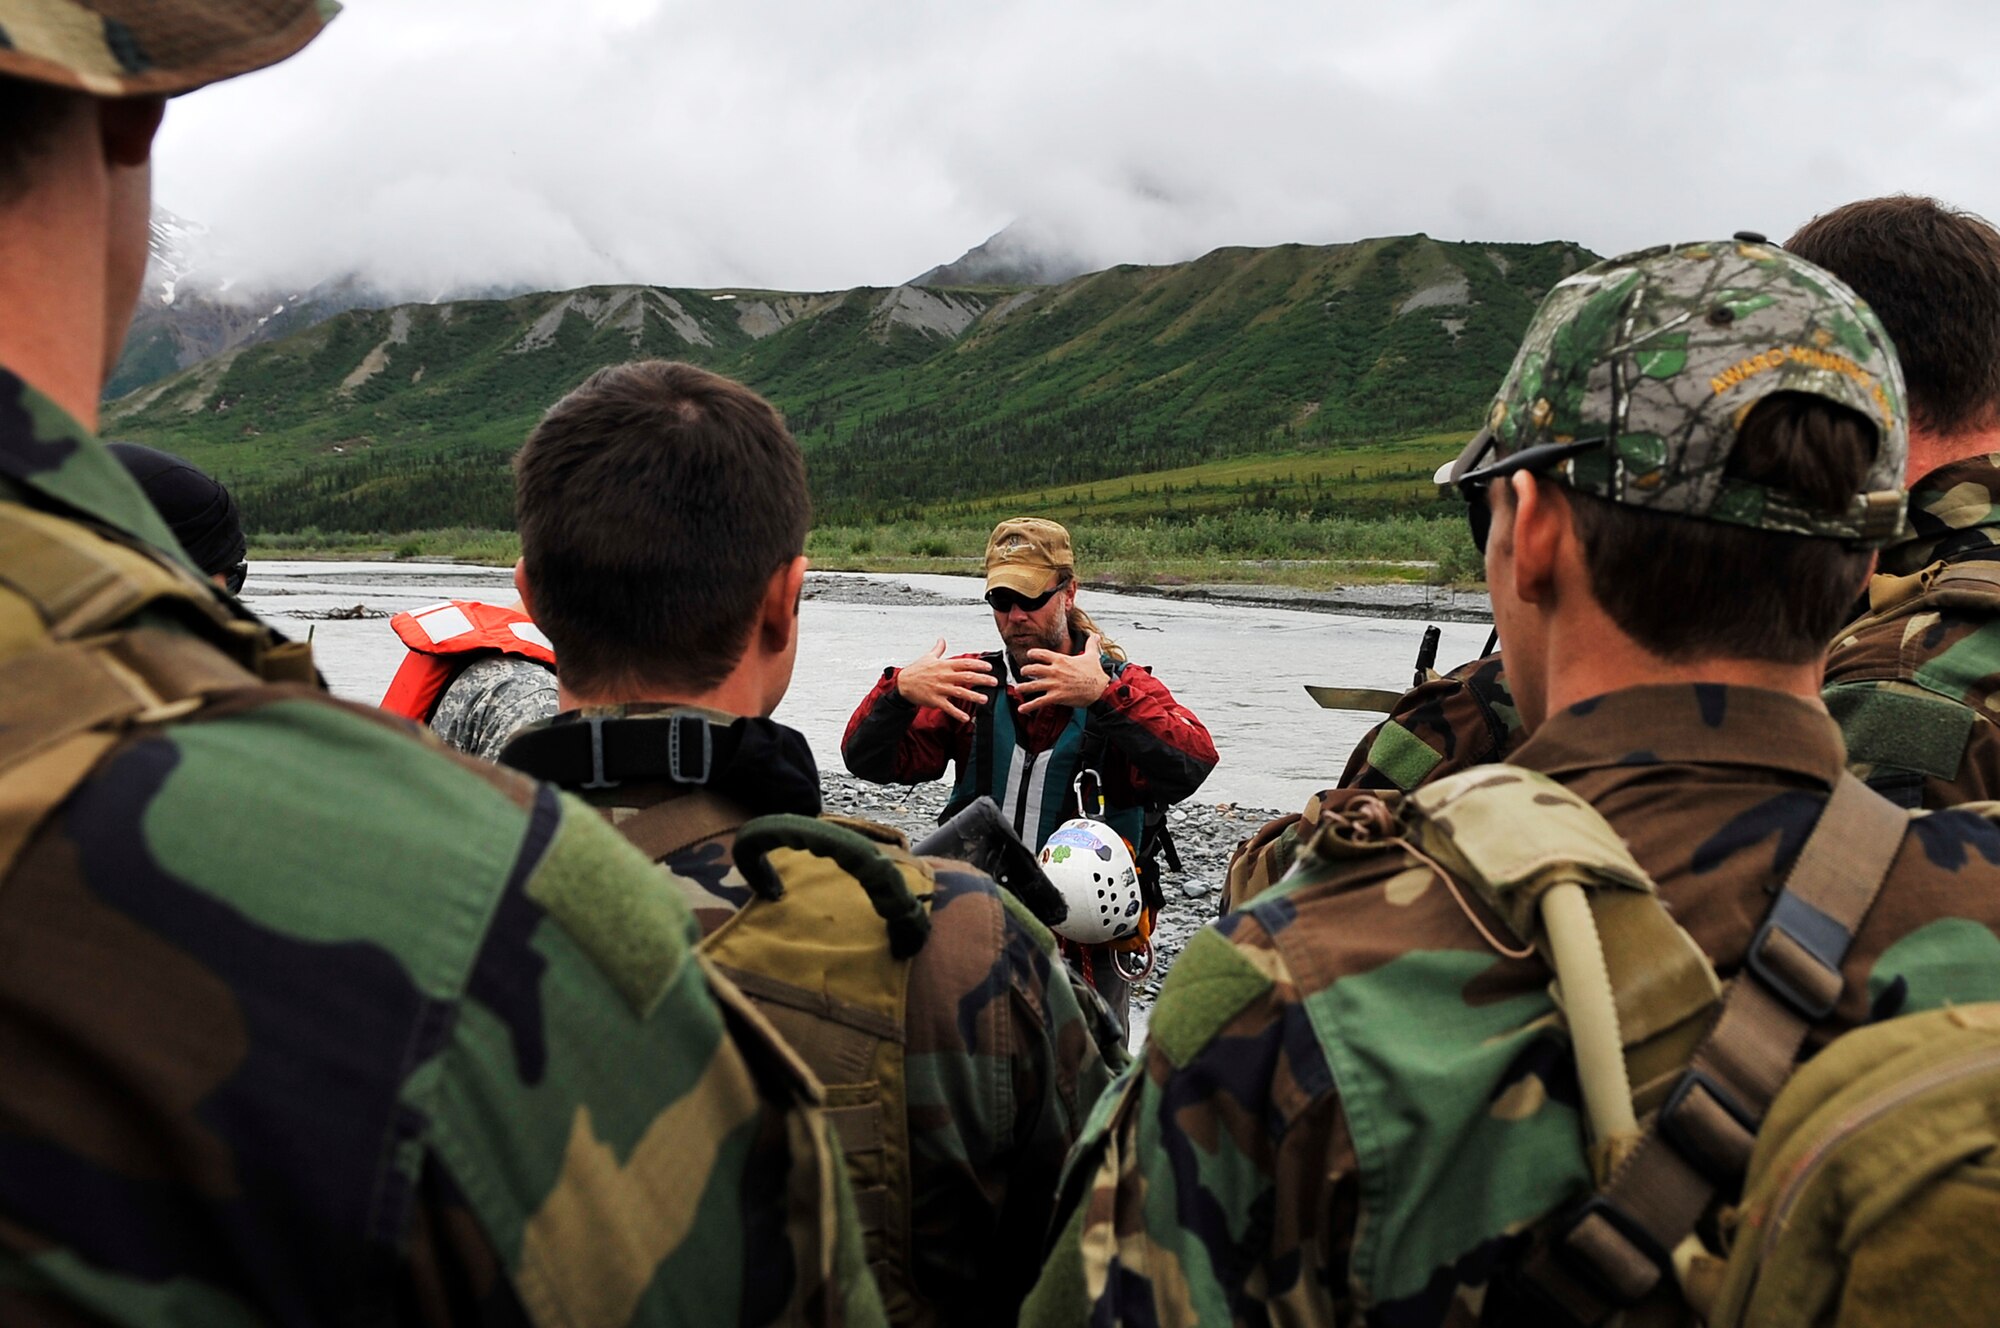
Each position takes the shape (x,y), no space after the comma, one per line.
(1240,668)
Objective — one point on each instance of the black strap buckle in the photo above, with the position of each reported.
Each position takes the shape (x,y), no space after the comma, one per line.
(597,779)
(1699,1148)
(1815,939)
(678,747)
(1589,1231)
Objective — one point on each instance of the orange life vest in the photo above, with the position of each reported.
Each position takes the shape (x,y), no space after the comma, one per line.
(444,638)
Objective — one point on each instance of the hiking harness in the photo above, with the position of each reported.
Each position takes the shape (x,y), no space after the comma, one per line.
(1038,791)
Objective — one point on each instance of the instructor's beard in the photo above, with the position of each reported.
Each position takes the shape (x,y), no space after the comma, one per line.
(1026,636)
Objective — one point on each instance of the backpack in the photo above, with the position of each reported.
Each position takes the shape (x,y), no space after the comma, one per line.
(100,634)
(1903,733)
(838,909)
(1874,1192)
(1871,1178)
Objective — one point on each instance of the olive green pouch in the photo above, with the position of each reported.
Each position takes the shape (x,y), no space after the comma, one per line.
(1874,1191)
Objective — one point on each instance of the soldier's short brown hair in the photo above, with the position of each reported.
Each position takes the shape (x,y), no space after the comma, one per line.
(1686,588)
(654,504)
(1932,274)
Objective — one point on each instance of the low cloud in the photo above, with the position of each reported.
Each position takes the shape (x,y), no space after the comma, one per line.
(818,145)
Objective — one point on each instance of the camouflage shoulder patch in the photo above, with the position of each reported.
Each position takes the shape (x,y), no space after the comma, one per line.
(636,931)
(1209,985)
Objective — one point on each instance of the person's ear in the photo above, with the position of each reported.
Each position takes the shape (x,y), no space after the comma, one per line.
(126,126)
(782,597)
(1537,534)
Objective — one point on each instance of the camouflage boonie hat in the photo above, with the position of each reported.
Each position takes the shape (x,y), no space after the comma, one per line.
(1659,355)
(132,48)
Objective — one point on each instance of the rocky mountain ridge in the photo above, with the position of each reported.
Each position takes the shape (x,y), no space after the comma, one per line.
(383,419)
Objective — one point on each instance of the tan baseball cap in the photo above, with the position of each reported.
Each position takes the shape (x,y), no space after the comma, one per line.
(1028,556)
(135,48)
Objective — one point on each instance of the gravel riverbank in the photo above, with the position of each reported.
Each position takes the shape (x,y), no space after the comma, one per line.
(1205,833)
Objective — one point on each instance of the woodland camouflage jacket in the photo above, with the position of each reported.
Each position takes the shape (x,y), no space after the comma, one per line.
(1005,1052)
(304,1021)
(1352,1109)
(1914,683)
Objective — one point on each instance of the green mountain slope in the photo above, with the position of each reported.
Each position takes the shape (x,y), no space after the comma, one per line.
(904,399)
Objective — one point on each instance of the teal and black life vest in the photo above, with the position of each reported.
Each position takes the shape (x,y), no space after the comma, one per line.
(1036,790)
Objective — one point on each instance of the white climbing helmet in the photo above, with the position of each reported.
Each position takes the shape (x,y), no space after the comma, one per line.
(1088,863)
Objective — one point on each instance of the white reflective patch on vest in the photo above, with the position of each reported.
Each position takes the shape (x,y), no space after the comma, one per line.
(443,623)
(530,632)
(1010,797)
(1037,783)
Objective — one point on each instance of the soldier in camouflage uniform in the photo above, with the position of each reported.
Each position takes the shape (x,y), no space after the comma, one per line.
(1359,1101)
(1910,679)
(663,512)
(1913,681)
(303,1020)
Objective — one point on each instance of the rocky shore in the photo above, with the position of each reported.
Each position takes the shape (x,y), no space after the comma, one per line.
(1206,833)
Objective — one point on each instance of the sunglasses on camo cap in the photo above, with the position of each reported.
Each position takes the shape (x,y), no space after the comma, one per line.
(1472,484)
(1003,600)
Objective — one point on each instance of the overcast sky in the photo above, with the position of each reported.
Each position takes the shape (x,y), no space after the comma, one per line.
(821,144)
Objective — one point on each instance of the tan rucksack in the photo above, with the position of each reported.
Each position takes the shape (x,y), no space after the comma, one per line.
(838,910)
(1874,1193)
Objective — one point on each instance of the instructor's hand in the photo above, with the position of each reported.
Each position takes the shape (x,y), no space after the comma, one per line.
(1064,680)
(937,681)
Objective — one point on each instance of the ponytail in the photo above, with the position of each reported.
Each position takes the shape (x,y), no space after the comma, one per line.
(1081,625)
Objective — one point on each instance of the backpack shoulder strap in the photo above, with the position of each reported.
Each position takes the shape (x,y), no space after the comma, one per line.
(666,828)
(75,673)
(83,581)
(1632,1236)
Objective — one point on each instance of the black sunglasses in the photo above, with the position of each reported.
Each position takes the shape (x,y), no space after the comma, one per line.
(1002,599)
(1472,484)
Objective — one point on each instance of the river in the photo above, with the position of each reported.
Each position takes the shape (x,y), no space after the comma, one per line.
(1241,668)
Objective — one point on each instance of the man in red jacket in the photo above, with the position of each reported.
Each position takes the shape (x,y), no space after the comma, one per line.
(1055,725)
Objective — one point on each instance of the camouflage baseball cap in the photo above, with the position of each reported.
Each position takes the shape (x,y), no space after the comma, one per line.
(132,48)
(1028,555)
(1635,373)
